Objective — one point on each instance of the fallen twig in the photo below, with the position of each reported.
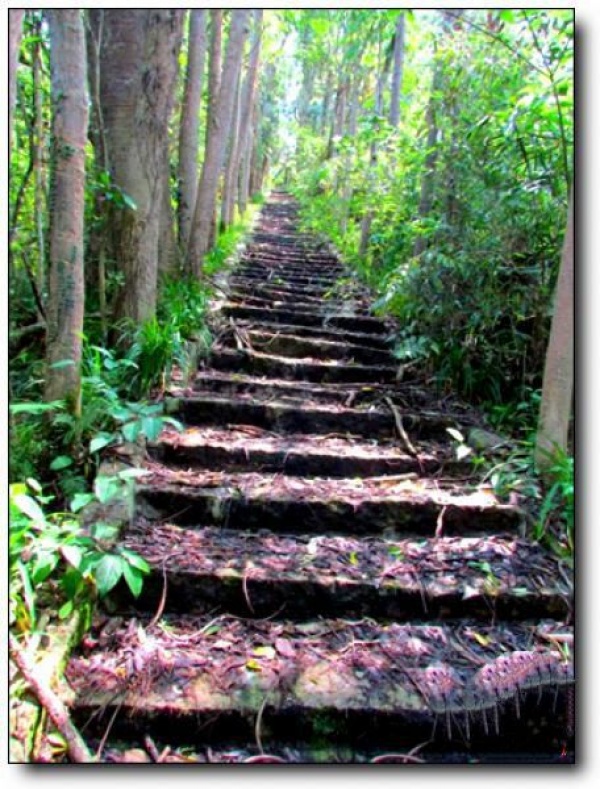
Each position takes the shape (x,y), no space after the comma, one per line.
(400,427)
(77,749)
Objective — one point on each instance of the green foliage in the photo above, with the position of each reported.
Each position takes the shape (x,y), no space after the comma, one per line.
(52,560)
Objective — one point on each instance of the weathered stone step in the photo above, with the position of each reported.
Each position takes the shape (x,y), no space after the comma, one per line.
(358,323)
(254,283)
(305,369)
(397,685)
(319,333)
(299,577)
(249,448)
(347,307)
(289,345)
(302,264)
(363,506)
(325,418)
(300,282)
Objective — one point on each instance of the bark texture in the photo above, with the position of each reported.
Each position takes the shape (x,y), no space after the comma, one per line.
(190,123)
(247,102)
(218,125)
(557,388)
(138,69)
(15,31)
(69,133)
(397,71)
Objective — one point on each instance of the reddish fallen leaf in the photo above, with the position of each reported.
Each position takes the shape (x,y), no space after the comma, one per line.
(284,648)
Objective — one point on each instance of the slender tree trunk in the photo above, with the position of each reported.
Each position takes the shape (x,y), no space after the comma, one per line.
(228,194)
(139,61)
(190,123)
(397,71)
(66,281)
(167,242)
(15,25)
(351,130)
(218,124)
(557,388)
(214,85)
(429,169)
(367,220)
(38,167)
(326,102)
(249,154)
(248,105)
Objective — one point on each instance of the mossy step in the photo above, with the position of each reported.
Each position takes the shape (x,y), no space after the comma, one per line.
(304,455)
(364,506)
(398,681)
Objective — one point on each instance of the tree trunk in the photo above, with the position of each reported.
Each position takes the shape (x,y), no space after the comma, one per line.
(138,69)
(557,388)
(429,168)
(66,281)
(248,106)
(397,71)
(38,167)
(190,123)
(167,243)
(15,24)
(218,124)
(249,153)
(228,195)
(367,220)
(214,85)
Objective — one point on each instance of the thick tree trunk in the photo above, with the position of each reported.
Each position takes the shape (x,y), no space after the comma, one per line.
(65,307)
(397,71)
(190,123)
(557,388)
(218,124)
(139,61)
(15,31)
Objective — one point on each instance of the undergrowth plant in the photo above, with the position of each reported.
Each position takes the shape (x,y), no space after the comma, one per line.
(54,562)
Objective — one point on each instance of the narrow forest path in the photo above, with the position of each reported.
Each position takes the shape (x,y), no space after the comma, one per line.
(326,583)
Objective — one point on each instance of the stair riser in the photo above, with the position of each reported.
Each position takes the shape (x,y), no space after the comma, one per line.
(362,324)
(211,507)
(300,371)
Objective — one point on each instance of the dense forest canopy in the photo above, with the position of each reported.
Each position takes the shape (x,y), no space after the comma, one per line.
(433,148)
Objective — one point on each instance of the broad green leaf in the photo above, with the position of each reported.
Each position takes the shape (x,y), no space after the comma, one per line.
(106,488)
(152,427)
(44,564)
(60,462)
(108,572)
(135,560)
(131,430)
(101,440)
(133,579)
(72,554)
(81,500)
(29,507)
(66,609)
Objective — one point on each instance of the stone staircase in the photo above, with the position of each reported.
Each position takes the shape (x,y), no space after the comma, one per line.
(328,582)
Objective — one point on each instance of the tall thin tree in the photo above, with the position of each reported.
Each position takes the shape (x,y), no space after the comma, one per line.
(65,307)
(190,123)
(219,125)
